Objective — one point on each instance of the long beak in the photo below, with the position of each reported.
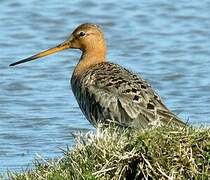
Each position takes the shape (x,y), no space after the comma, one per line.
(60,47)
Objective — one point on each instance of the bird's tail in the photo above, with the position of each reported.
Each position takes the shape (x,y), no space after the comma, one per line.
(168,118)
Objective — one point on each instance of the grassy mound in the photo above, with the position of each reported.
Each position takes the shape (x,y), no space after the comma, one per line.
(162,153)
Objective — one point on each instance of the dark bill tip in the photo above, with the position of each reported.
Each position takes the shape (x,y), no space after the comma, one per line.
(22,61)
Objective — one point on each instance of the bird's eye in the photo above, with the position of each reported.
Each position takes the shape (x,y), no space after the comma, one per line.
(81,34)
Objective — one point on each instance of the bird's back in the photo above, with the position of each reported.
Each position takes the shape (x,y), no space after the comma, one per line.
(107,92)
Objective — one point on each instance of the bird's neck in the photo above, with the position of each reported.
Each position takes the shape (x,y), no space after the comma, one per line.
(89,58)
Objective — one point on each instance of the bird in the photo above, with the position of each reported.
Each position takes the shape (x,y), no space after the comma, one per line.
(107,93)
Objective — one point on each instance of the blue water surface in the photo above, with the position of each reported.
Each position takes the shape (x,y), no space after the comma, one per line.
(166,42)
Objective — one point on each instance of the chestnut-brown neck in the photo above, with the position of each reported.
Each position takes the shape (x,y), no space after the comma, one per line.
(91,54)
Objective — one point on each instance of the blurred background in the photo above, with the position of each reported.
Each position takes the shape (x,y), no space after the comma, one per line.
(166,42)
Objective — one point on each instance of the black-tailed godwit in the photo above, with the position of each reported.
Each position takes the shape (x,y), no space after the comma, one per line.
(107,92)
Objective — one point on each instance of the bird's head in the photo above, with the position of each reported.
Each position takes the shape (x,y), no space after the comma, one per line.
(87,37)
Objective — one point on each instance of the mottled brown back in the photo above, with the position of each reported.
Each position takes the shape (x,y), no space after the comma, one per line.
(108,92)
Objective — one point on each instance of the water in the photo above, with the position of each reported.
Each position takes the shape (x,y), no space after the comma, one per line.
(166,42)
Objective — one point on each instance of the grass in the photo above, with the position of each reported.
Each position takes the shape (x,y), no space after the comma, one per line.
(162,153)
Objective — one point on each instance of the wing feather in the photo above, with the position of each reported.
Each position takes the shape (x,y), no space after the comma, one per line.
(115,94)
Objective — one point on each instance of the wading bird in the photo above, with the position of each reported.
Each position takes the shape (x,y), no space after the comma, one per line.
(107,92)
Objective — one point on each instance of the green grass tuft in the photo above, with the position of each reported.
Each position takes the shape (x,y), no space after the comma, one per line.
(162,153)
